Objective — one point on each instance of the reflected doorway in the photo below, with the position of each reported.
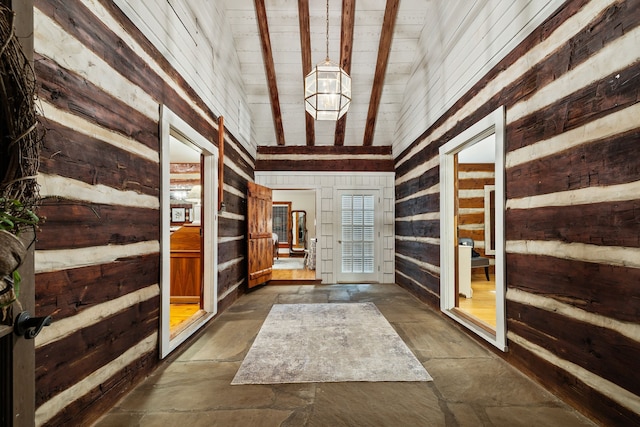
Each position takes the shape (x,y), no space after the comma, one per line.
(185,204)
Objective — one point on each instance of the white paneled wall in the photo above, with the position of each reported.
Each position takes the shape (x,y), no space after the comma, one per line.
(459,45)
(196,39)
(326,186)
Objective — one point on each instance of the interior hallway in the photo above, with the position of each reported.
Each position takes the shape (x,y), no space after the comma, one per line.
(471,387)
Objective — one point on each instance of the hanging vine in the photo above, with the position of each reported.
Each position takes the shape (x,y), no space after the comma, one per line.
(20,133)
(20,140)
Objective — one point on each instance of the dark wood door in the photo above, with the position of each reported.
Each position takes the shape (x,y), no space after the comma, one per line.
(260,243)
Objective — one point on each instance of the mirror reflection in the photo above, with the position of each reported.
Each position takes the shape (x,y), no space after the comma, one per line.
(298,231)
(475,274)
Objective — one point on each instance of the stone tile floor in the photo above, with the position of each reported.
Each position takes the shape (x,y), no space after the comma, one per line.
(471,387)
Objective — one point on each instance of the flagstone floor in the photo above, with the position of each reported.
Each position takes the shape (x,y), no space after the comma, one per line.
(471,387)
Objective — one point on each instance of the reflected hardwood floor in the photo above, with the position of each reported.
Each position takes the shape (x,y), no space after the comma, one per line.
(483,303)
(180,315)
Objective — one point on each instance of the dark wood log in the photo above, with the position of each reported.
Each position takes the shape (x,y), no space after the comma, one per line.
(68,292)
(421,293)
(599,350)
(599,163)
(424,252)
(80,22)
(473,218)
(603,224)
(608,28)
(384,47)
(425,278)
(605,96)
(237,153)
(345,150)
(235,180)
(346,49)
(426,180)
(270,69)
(570,388)
(74,94)
(419,159)
(88,408)
(71,154)
(228,227)
(237,273)
(474,183)
(340,165)
(424,228)
(184,168)
(418,205)
(230,298)
(473,202)
(231,250)
(235,204)
(72,224)
(476,167)
(92,347)
(602,289)
(305,51)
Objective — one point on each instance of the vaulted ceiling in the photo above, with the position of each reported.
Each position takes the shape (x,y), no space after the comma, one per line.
(278,41)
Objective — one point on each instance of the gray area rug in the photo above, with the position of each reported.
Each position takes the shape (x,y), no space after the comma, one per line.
(303,343)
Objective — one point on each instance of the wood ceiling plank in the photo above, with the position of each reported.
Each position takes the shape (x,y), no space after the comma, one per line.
(346,48)
(305,47)
(386,36)
(270,69)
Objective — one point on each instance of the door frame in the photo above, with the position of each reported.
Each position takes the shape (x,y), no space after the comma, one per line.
(316,190)
(378,228)
(172,125)
(493,123)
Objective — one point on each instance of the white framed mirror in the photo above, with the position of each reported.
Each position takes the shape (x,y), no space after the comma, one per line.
(462,251)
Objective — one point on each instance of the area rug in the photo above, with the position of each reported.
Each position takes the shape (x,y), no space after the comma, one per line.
(304,343)
(288,264)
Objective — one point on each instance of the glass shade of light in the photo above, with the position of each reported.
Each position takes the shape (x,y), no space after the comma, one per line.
(195,194)
(327,91)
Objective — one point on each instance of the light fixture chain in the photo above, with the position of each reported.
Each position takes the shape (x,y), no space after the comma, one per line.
(327,30)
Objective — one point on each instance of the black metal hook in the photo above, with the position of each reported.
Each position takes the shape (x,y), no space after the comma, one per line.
(28,327)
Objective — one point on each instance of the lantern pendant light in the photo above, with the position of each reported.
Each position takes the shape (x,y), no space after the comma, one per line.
(327,88)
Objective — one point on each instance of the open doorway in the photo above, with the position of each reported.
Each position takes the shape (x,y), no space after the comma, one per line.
(189,231)
(294,224)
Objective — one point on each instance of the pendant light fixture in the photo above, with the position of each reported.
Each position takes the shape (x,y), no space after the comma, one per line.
(327,88)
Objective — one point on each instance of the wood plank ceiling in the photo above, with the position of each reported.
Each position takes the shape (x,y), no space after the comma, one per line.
(279,41)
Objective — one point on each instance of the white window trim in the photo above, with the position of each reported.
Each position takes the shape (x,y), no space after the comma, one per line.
(493,123)
(172,124)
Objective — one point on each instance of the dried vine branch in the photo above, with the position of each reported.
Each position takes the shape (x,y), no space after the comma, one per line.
(20,132)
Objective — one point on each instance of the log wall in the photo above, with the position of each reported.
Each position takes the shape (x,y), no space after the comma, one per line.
(571,90)
(98,253)
(472,178)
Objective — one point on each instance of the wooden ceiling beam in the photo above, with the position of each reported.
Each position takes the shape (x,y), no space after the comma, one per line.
(305,48)
(386,36)
(346,48)
(270,70)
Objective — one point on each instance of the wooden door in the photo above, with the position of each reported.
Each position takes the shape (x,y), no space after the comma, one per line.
(260,243)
